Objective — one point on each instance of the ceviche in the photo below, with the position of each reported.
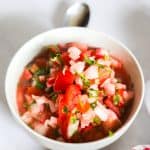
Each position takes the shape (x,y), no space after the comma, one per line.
(73,92)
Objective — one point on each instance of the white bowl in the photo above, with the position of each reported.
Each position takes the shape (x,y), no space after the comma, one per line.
(74,34)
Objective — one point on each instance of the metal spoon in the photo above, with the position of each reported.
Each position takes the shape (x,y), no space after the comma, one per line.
(77,15)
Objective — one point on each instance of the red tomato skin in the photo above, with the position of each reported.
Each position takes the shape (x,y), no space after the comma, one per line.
(65,57)
(27,75)
(63,117)
(87,53)
(98,53)
(50,82)
(20,100)
(108,102)
(43,117)
(34,91)
(71,92)
(62,81)
(41,62)
(67,101)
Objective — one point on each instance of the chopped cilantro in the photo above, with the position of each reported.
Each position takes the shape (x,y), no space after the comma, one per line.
(39,84)
(73,119)
(53,95)
(119,80)
(65,109)
(57,58)
(86,82)
(89,61)
(93,92)
(116,99)
(110,133)
(41,71)
(49,90)
(93,105)
(52,54)
(100,65)
(27,106)
(96,120)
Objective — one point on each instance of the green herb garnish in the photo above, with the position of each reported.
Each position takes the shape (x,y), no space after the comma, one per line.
(93,105)
(100,65)
(49,90)
(54,96)
(57,58)
(39,84)
(93,92)
(41,71)
(86,82)
(110,133)
(116,99)
(27,106)
(65,109)
(96,120)
(89,61)
(52,54)
(73,119)
(119,81)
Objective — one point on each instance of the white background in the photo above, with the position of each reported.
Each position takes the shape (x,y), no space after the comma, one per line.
(127,20)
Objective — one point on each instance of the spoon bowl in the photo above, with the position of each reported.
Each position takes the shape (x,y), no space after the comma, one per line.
(77,15)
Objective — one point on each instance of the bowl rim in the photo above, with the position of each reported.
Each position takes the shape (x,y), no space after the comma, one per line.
(119,132)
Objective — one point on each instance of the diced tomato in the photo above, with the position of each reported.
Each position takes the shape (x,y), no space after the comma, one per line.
(81,46)
(86,129)
(62,81)
(121,103)
(104,75)
(41,62)
(34,91)
(34,68)
(98,53)
(71,92)
(63,117)
(66,104)
(50,82)
(87,53)
(28,99)
(115,63)
(83,108)
(108,102)
(65,57)
(20,100)
(43,116)
(120,92)
(102,80)
(27,75)
(82,103)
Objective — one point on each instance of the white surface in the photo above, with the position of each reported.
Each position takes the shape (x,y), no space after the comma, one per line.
(126,20)
(30,50)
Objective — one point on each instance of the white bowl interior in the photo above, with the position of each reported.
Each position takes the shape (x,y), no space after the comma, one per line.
(83,35)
